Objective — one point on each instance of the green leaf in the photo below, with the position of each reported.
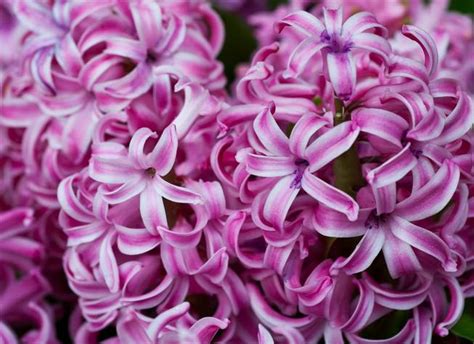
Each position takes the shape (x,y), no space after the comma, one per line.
(465,326)
(464,6)
(273,4)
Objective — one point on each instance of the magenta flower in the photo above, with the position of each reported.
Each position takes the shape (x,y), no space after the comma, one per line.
(132,172)
(293,161)
(339,41)
(389,227)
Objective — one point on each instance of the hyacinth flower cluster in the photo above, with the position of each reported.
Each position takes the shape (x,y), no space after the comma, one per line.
(328,193)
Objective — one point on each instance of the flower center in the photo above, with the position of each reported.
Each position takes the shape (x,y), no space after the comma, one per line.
(151,57)
(374,221)
(301,165)
(335,43)
(150,171)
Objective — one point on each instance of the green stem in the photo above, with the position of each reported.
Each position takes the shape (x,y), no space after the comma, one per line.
(347,168)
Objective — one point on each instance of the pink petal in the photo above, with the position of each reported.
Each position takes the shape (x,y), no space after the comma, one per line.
(269,166)
(423,240)
(381,123)
(364,254)
(303,22)
(126,191)
(456,306)
(406,299)
(342,74)
(175,193)
(263,336)
(399,256)
(165,318)
(269,133)
(302,132)
(301,56)
(134,241)
(333,224)
(163,156)
(180,240)
(18,113)
(279,201)
(331,144)
(426,43)
(131,330)
(360,22)
(206,328)
(372,43)
(137,146)
(152,209)
(404,336)
(333,20)
(132,85)
(423,325)
(108,263)
(431,197)
(393,169)
(147,17)
(329,195)
(126,48)
(458,122)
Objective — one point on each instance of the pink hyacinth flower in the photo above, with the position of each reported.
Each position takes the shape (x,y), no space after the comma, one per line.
(338,41)
(133,172)
(293,161)
(389,228)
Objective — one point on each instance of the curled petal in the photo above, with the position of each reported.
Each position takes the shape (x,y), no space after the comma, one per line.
(270,317)
(364,254)
(372,43)
(404,336)
(126,191)
(382,123)
(206,328)
(147,18)
(137,146)
(336,225)
(269,133)
(455,309)
(152,210)
(165,318)
(108,263)
(303,22)
(269,166)
(181,240)
(134,241)
(263,336)
(329,195)
(176,193)
(431,197)
(401,299)
(424,240)
(303,130)
(426,43)
(131,330)
(393,169)
(399,256)
(301,56)
(163,156)
(331,144)
(458,122)
(279,201)
(132,85)
(360,22)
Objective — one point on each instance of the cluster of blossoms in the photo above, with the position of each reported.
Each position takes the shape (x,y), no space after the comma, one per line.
(140,202)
